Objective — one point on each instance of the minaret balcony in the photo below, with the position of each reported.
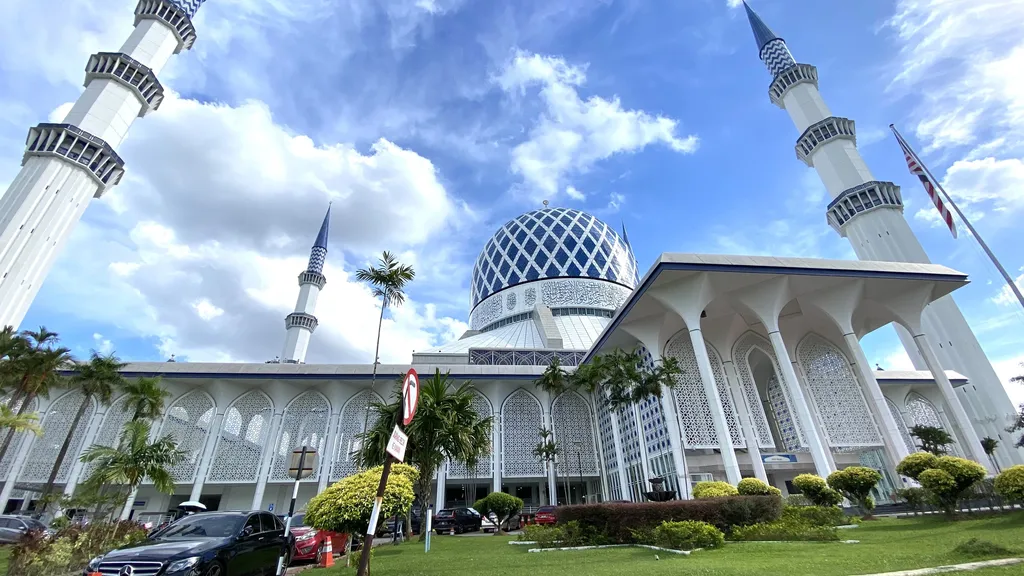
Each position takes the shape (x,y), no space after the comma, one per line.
(129,72)
(314,278)
(790,77)
(860,200)
(170,14)
(821,133)
(301,320)
(77,146)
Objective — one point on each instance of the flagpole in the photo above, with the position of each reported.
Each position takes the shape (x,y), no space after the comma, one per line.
(984,246)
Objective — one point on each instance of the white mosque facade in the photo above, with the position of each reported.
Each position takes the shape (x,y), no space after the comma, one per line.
(774,383)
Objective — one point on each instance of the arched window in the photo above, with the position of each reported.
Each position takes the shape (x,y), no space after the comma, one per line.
(56,426)
(521,420)
(483,467)
(747,364)
(691,398)
(352,417)
(902,426)
(574,433)
(188,421)
(17,442)
(924,413)
(118,414)
(304,424)
(837,394)
(238,456)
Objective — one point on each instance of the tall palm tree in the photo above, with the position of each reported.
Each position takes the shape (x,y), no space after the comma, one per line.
(446,428)
(96,379)
(388,282)
(146,398)
(133,460)
(19,423)
(36,369)
(989,445)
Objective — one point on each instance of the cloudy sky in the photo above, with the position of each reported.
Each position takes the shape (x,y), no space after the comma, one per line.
(429,123)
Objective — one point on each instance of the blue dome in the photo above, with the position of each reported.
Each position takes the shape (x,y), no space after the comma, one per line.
(552,243)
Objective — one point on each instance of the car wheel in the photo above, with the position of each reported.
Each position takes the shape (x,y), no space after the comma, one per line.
(215,569)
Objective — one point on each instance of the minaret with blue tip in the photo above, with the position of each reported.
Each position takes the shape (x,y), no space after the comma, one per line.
(299,325)
(869,213)
(68,163)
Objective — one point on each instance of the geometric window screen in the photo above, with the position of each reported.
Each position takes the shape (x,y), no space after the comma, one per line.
(243,436)
(17,442)
(118,414)
(188,421)
(304,424)
(521,421)
(56,427)
(356,411)
(742,354)
(692,399)
(902,426)
(575,435)
(924,413)
(458,470)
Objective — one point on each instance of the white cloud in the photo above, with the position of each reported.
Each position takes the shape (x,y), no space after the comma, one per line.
(1006,297)
(101,344)
(575,194)
(734,3)
(984,187)
(572,133)
(1009,368)
(206,310)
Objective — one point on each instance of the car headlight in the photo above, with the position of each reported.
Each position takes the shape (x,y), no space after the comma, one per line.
(307,536)
(94,564)
(183,564)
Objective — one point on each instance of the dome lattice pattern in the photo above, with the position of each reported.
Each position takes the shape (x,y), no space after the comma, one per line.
(552,243)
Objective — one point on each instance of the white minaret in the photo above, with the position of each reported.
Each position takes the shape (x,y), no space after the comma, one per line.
(68,164)
(300,324)
(869,213)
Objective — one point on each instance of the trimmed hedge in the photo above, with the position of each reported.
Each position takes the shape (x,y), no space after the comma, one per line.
(814,515)
(712,489)
(620,522)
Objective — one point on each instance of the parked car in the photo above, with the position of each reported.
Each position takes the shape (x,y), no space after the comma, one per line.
(417,521)
(12,528)
(208,544)
(310,542)
(544,515)
(459,519)
(490,523)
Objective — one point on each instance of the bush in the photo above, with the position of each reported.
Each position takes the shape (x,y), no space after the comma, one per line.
(816,489)
(502,505)
(918,462)
(71,548)
(946,479)
(798,500)
(714,490)
(787,531)
(687,535)
(976,547)
(914,497)
(1010,483)
(568,535)
(756,487)
(814,515)
(856,483)
(619,522)
(346,505)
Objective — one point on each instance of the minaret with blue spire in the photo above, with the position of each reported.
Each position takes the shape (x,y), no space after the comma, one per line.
(299,325)
(869,213)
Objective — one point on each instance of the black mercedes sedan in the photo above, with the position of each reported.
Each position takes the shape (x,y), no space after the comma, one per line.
(205,544)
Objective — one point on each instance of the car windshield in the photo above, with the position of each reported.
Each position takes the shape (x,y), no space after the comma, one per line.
(298,521)
(546,509)
(445,513)
(205,526)
(34,524)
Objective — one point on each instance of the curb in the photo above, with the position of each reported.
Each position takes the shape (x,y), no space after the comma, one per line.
(645,546)
(952,568)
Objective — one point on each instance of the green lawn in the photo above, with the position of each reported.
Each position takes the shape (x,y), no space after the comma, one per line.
(5,551)
(885,545)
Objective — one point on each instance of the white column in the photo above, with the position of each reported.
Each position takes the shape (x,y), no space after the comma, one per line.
(895,448)
(745,414)
(967,433)
(814,440)
(15,471)
(496,433)
(619,461)
(327,459)
(266,461)
(732,466)
(439,497)
(204,464)
(79,466)
(812,402)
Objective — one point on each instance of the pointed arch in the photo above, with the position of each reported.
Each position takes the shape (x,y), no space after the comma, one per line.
(521,421)
(570,415)
(353,414)
(19,439)
(118,414)
(188,421)
(924,413)
(304,423)
(837,394)
(901,425)
(483,469)
(242,438)
(56,426)
(782,404)
(692,400)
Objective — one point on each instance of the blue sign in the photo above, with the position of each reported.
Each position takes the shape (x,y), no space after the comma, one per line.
(270,507)
(139,504)
(778,458)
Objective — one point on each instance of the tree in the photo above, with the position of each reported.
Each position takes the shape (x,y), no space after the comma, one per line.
(546,451)
(932,439)
(989,445)
(28,422)
(388,283)
(446,428)
(503,506)
(346,505)
(817,490)
(1010,483)
(625,377)
(134,459)
(97,380)
(946,479)
(856,483)
(145,397)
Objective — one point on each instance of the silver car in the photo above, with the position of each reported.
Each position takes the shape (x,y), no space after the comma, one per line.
(12,528)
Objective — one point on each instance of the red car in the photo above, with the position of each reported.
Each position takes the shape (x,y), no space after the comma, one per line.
(310,542)
(544,515)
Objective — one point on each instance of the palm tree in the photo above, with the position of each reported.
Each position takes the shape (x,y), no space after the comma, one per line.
(96,379)
(19,423)
(547,451)
(133,460)
(623,376)
(989,445)
(446,428)
(36,368)
(388,281)
(146,398)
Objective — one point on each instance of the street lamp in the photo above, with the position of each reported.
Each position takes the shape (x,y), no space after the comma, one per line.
(579,465)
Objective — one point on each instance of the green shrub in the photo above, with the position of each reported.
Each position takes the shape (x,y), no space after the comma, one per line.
(976,547)
(502,505)
(756,487)
(814,515)
(915,463)
(541,534)
(798,500)
(714,490)
(60,522)
(618,522)
(568,535)
(346,505)
(785,530)
(856,483)
(949,480)
(816,489)
(687,535)
(71,548)
(1010,483)
(914,497)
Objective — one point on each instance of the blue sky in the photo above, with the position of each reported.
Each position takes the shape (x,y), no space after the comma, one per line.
(431,122)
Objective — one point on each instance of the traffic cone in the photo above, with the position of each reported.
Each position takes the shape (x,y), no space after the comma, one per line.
(451,531)
(327,554)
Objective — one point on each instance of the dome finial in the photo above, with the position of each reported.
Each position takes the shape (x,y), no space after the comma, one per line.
(545,203)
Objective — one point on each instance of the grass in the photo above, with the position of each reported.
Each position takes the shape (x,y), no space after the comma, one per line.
(5,551)
(885,545)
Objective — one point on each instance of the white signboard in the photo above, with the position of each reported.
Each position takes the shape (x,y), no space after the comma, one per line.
(397,444)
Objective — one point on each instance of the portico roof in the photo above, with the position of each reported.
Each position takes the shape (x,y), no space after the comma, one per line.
(385,372)
(730,275)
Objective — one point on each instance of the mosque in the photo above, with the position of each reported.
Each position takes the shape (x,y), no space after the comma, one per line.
(774,383)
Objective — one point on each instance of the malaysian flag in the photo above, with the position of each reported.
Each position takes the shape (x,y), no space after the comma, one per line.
(917,169)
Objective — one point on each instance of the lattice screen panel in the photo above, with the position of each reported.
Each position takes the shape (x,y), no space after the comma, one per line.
(741,361)
(629,434)
(118,414)
(837,394)
(352,417)
(243,437)
(924,413)
(56,426)
(785,417)
(188,420)
(732,418)
(483,467)
(902,426)
(304,424)
(17,442)
(604,426)
(521,421)
(614,489)
(692,400)
(574,433)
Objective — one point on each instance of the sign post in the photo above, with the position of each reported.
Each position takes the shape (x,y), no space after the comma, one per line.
(396,453)
(430,521)
(301,465)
